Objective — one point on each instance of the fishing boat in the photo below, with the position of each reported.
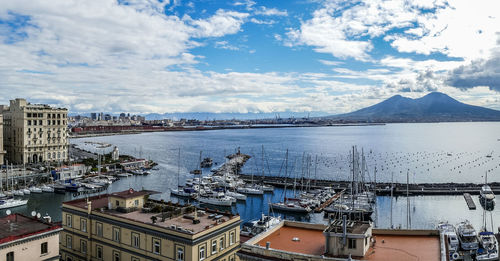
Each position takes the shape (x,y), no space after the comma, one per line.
(217,199)
(467,236)
(488,247)
(254,227)
(11,203)
(236,195)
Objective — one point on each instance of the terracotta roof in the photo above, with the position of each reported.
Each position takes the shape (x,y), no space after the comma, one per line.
(404,247)
(17,226)
(310,241)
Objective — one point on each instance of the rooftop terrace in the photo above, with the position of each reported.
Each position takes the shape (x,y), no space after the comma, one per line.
(17,226)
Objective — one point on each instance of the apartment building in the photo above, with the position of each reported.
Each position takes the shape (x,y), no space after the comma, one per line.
(28,238)
(34,133)
(129,226)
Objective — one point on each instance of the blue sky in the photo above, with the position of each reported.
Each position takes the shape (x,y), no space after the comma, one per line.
(149,56)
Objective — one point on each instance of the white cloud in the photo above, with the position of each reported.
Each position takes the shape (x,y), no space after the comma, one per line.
(222,23)
(270,11)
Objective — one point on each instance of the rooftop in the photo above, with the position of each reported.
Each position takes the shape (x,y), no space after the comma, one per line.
(17,226)
(311,241)
(183,223)
(404,247)
(131,193)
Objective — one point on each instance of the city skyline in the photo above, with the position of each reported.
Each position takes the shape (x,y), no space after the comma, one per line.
(258,57)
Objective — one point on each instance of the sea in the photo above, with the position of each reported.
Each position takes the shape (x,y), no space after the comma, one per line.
(426,152)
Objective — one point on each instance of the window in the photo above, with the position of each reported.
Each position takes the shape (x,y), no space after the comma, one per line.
(231,258)
(83,225)
(68,220)
(222,243)
(136,202)
(69,242)
(44,248)
(134,258)
(83,246)
(202,252)
(116,234)
(136,240)
(180,254)
(352,243)
(214,246)
(117,203)
(10,256)
(156,246)
(116,256)
(99,229)
(98,252)
(231,238)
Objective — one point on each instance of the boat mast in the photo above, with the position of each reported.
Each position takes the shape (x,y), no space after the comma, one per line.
(286,176)
(392,189)
(407,200)
(178,166)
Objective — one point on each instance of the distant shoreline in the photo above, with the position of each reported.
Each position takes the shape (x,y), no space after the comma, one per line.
(89,135)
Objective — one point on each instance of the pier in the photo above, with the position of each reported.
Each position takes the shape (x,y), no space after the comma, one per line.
(383,188)
(329,202)
(469,201)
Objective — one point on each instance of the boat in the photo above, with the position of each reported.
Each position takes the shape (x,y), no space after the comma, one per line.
(35,189)
(59,189)
(451,239)
(206,163)
(18,192)
(184,192)
(488,247)
(261,225)
(47,189)
(26,191)
(267,188)
(290,207)
(11,203)
(123,175)
(217,199)
(236,195)
(250,191)
(467,236)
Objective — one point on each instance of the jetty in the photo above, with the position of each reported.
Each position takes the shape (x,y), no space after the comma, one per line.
(329,201)
(384,188)
(233,165)
(469,201)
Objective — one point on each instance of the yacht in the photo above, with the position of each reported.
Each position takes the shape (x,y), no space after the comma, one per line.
(236,195)
(218,199)
(467,236)
(11,203)
(35,189)
(18,192)
(26,191)
(187,192)
(488,247)
(290,207)
(263,224)
(250,191)
(267,188)
(486,196)
(451,239)
(47,189)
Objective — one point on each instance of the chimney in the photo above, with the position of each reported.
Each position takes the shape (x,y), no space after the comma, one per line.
(268,245)
(89,207)
(344,229)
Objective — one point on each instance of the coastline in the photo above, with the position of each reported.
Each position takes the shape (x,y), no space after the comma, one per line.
(204,128)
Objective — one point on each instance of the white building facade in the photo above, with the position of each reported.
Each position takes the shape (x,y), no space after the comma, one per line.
(34,133)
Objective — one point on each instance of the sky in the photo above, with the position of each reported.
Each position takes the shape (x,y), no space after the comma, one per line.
(244,56)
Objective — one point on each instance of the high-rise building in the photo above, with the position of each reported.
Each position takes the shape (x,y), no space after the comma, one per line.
(2,152)
(34,133)
(129,226)
(93,116)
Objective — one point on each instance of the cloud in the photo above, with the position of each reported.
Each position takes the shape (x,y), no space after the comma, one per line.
(262,10)
(225,45)
(222,23)
(258,21)
(483,72)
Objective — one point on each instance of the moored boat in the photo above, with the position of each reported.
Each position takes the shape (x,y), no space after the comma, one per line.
(11,203)
(261,225)
(467,236)
(488,247)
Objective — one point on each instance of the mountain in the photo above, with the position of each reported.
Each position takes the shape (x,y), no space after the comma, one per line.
(432,107)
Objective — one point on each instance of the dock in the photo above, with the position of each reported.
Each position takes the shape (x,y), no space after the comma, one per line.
(469,201)
(383,188)
(329,202)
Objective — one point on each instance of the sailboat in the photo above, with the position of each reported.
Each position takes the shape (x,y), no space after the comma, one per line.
(197,171)
(26,191)
(486,195)
(188,192)
(251,189)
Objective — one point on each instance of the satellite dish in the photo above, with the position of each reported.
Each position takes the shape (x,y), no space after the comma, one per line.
(33,213)
(38,215)
(7,212)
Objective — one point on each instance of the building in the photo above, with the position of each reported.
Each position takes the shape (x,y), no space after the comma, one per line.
(342,240)
(74,171)
(93,116)
(115,154)
(128,226)
(34,133)
(2,151)
(25,238)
